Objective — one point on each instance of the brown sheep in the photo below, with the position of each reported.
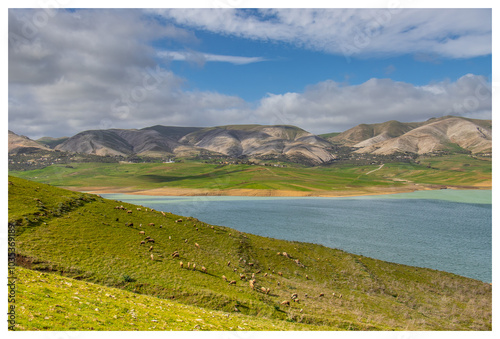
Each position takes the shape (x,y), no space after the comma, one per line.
(286,302)
(142,232)
(151,224)
(203,269)
(181,264)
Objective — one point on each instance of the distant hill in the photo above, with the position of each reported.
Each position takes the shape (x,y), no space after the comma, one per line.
(23,144)
(51,142)
(278,142)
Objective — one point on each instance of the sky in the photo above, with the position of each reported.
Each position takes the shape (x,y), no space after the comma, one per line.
(324,70)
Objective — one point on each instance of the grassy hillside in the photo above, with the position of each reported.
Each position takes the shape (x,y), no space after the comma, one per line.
(85,237)
(460,170)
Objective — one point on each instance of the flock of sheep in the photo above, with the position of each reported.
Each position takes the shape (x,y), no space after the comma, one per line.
(252,282)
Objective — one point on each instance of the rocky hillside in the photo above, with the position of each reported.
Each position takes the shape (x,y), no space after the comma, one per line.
(23,144)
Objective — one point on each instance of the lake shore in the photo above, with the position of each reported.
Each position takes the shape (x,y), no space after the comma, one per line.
(348,192)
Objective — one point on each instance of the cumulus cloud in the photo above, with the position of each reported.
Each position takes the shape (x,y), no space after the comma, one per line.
(452,33)
(91,69)
(330,106)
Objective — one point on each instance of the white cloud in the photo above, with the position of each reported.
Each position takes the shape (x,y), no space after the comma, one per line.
(331,107)
(200,58)
(453,33)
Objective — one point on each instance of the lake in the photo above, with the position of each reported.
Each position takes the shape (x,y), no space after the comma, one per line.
(447,230)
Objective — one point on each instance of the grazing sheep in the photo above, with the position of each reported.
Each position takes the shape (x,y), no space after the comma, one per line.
(151,224)
(142,232)
(150,248)
(232,282)
(224,278)
(181,264)
(321,294)
(286,302)
(203,269)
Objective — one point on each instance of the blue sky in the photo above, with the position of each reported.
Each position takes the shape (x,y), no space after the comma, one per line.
(323,70)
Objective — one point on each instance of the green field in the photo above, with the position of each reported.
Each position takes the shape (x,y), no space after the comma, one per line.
(453,170)
(92,244)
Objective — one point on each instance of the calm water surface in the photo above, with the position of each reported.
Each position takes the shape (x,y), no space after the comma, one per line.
(446,230)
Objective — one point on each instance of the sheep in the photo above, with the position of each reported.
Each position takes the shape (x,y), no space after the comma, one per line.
(150,248)
(203,269)
(181,264)
(224,278)
(285,302)
(151,224)
(142,232)
(232,282)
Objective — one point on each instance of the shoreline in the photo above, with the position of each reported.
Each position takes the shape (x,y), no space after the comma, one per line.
(174,191)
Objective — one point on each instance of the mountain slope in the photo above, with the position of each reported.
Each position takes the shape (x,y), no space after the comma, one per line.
(22,144)
(435,136)
(262,141)
(96,240)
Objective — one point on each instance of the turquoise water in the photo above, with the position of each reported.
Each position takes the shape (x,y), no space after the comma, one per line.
(447,230)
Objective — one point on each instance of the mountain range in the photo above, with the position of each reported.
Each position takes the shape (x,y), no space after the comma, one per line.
(291,143)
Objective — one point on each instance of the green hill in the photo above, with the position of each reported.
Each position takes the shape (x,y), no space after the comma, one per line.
(85,237)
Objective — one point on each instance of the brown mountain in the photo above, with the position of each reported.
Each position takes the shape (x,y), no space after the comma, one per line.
(23,144)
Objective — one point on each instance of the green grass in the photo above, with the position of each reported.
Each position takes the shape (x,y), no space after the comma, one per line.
(84,237)
(460,170)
